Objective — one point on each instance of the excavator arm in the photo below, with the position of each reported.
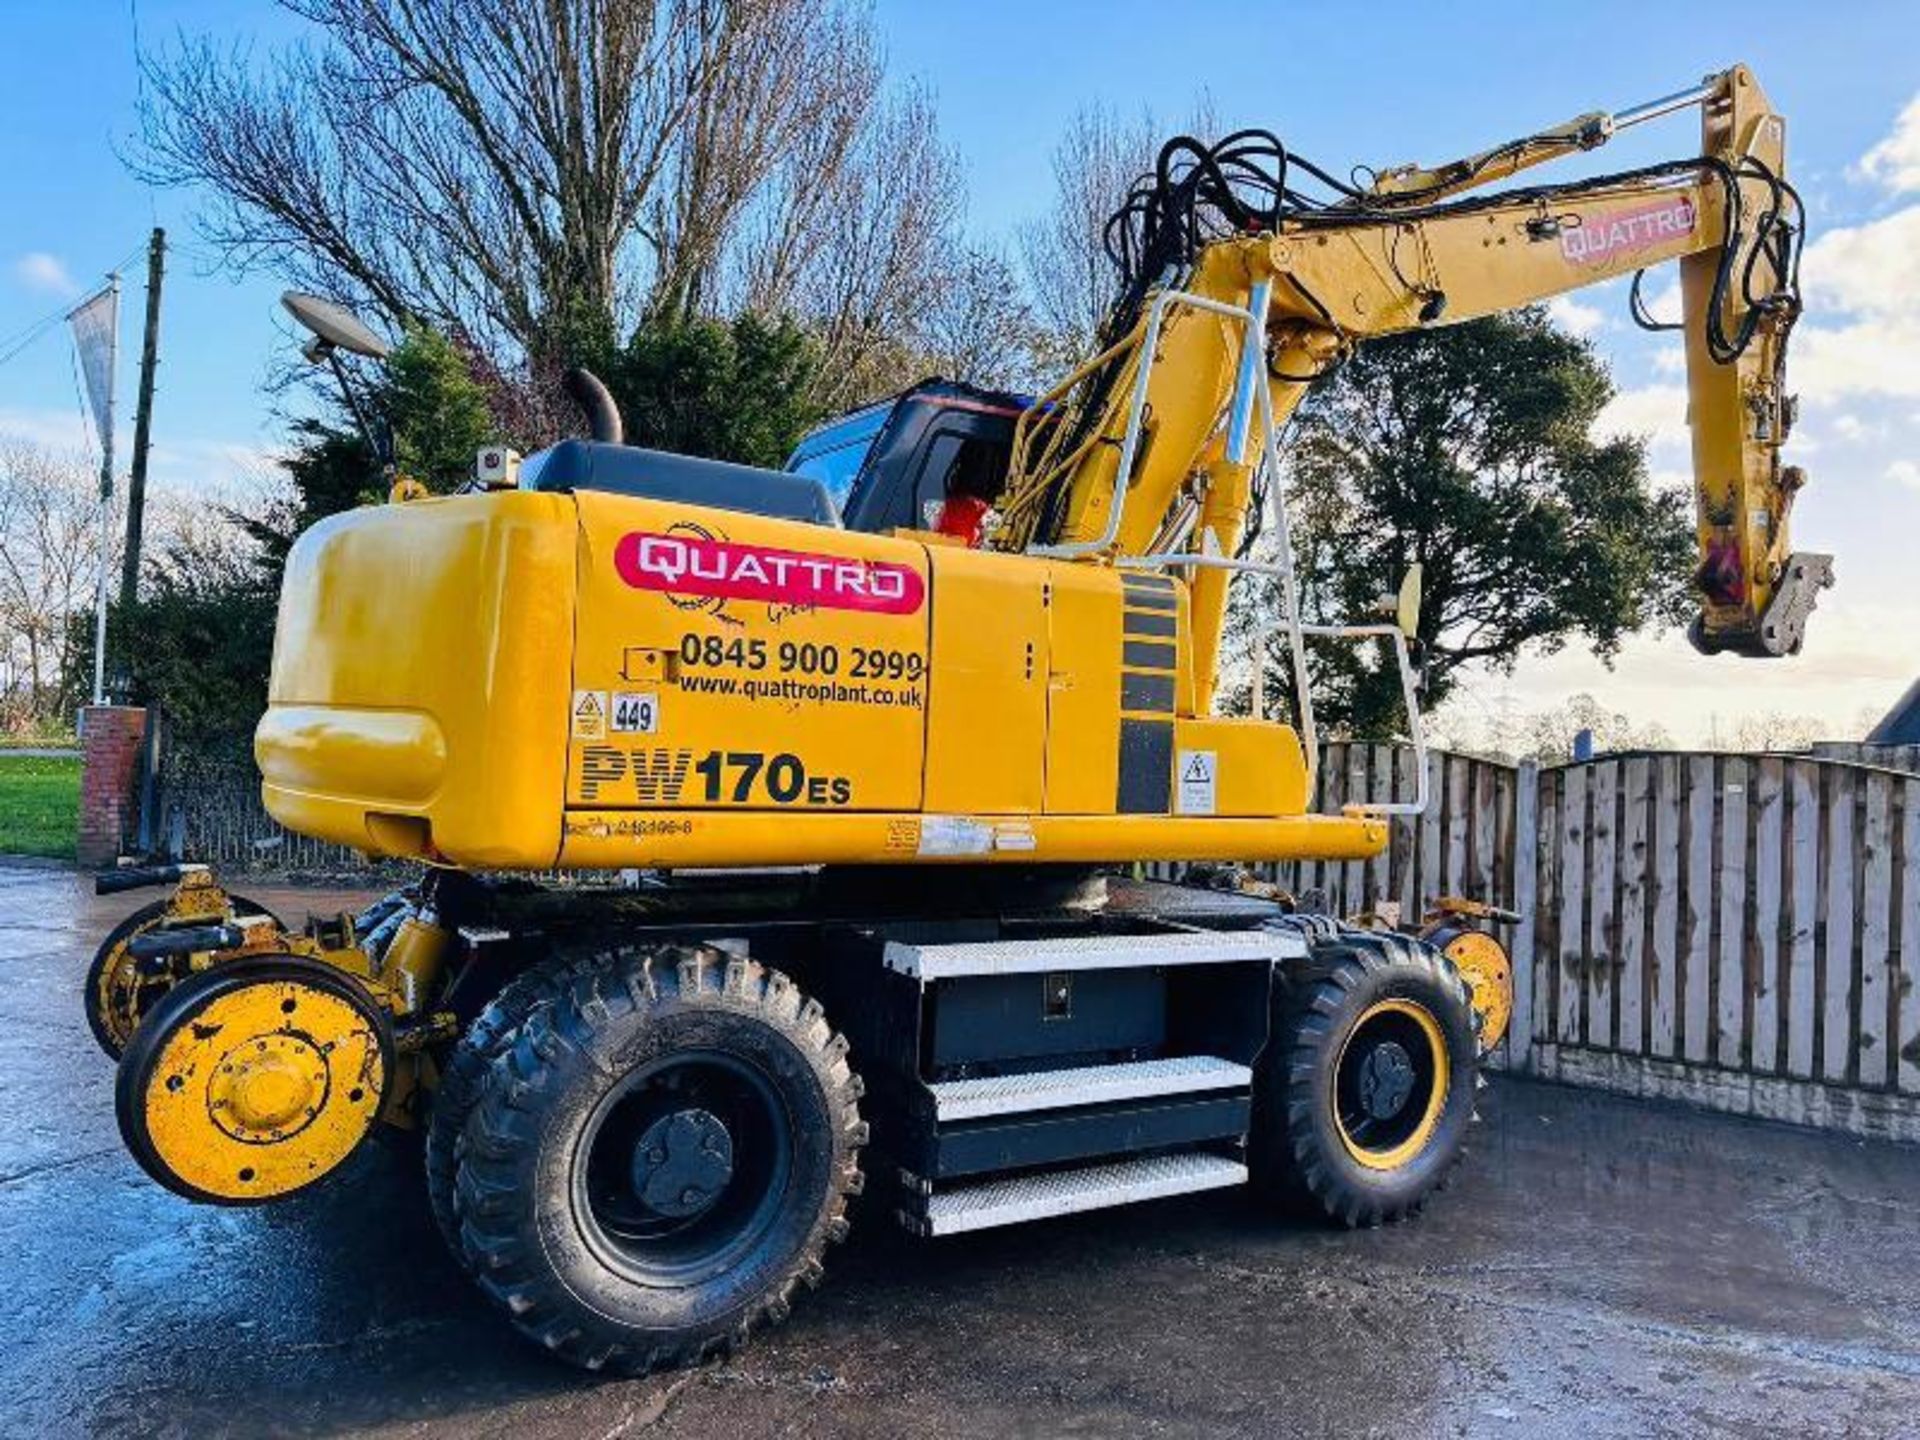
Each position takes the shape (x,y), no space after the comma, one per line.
(1167,401)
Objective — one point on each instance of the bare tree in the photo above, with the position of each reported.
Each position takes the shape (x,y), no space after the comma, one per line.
(983,330)
(531,172)
(1772,730)
(873,272)
(1551,733)
(49,567)
(1094,166)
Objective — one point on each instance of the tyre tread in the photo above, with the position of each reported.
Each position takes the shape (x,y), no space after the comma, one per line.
(505,1124)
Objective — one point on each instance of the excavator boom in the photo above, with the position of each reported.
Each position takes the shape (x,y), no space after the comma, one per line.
(1415,249)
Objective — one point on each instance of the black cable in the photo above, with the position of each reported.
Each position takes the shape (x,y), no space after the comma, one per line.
(1642,316)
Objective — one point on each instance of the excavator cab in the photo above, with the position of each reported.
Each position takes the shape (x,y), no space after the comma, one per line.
(893,465)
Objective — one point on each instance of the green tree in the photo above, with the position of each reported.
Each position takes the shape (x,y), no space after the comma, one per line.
(202,646)
(431,393)
(726,389)
(1471,450)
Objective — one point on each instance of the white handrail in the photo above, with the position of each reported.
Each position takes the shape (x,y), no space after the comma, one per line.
(1249,396)
(1136,409)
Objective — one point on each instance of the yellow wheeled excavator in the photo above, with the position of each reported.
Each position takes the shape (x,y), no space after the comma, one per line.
(874,739)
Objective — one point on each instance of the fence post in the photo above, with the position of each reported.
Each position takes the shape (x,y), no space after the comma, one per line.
(1526,893)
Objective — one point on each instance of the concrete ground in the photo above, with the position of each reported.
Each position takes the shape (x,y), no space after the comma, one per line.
(1599,1268)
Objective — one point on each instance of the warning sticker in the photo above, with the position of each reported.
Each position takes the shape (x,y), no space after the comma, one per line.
(589,714)
(1198,770)
(635,712)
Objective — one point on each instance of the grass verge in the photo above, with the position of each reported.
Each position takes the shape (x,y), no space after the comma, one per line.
(39,806)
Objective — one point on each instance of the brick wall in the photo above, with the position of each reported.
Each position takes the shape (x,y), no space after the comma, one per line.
(110,739)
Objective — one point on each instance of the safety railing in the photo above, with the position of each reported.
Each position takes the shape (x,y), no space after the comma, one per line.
(1252,401)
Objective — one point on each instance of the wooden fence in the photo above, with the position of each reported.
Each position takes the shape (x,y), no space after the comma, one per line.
(1887,757)
(1742,931)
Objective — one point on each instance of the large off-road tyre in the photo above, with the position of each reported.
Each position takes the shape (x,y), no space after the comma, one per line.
(466,1065)
(660,1159)
(118,997)
(1366,1090)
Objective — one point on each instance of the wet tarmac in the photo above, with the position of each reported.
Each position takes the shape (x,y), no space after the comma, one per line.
(1600,1268)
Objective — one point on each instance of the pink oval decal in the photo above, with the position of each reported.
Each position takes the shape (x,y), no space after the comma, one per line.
(723,570)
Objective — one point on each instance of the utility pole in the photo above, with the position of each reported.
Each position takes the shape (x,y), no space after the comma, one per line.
(143,424)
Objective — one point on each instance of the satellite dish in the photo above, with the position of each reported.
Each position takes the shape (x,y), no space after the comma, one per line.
(333,327)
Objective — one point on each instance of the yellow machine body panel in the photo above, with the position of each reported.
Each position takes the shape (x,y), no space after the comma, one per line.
(987,720)
(597,680)
(419,662)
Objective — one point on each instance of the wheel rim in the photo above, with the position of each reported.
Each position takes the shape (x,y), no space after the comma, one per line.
(682,1167)
(1390,1083)
(253,1080)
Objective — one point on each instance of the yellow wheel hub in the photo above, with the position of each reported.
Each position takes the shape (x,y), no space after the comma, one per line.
(1390,1084)
(267,1089)
(253,1079)
(1483,964)
(117,995)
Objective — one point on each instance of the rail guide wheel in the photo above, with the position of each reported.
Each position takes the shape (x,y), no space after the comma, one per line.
(254,1079)
(119,993)
(1483,963)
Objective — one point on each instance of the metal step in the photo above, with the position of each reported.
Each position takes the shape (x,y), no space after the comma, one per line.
(1067,1192)
(1091,952)
(1085,1085)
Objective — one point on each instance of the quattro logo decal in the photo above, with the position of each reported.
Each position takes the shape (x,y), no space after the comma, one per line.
(724,570)
(1603,236)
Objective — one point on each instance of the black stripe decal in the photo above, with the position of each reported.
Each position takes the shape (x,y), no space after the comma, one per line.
(1146,767)
(1146,692)
(1142,623)
(1149,655)
(1151,599)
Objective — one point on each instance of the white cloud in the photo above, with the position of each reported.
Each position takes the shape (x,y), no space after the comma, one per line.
(40,271)
(1657,413)
(1663,305)
(1847,667)
(53,429)
(1869,274)
(1569,314)
(1670,360)
(1871,269)
(1855,431)
(1904,472)
(216,471)
(1868,357)
(1895,161)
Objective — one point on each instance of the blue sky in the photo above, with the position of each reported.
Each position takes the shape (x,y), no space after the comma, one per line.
(1342,83)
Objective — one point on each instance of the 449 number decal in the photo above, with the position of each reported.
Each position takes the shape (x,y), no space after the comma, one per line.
(743,776)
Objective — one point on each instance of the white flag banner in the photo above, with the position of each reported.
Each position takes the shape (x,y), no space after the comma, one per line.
(96,326)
